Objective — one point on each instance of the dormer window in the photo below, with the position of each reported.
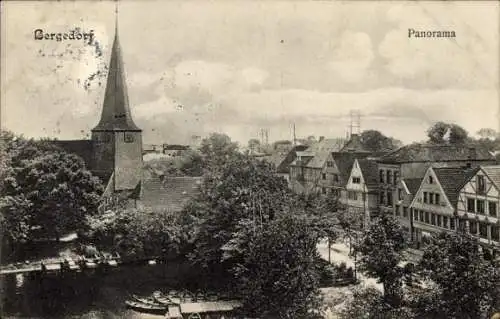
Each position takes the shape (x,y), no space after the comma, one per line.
(356,180)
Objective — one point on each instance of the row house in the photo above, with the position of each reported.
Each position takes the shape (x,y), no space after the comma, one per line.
(410,163)
(478,206)
(323,167)
(435,203)
(281,159)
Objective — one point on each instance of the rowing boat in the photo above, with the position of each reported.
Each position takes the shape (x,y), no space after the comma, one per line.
(148,301)
(142,307)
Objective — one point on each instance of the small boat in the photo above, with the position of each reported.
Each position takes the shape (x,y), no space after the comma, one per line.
(148,301)
(142,307)
(162,299)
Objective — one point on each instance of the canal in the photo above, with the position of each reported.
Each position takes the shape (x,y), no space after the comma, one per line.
(100,294)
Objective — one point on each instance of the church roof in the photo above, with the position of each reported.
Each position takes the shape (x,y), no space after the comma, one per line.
(171,193)
(82,148)
(116,114)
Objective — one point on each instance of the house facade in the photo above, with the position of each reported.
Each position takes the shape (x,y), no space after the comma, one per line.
(434,205)
(412,161)
(478,206)
(361,190)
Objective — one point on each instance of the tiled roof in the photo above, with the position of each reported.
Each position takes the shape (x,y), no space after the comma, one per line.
(369,168)
(283,158)
(328,145)
(344,161)
(412,184)
(437,153)
(354,144)
(319,160)
(170,194)
(452,179)
(493,172)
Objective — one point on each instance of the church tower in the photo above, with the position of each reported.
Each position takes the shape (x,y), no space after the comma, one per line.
(117,141)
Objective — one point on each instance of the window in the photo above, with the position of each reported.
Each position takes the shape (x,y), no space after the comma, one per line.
(433,219)
(437,199)
(421,215)
(438,220)
(425,197)
(323,176)
(335,178)
(415,215)
(452,223)
(483,230)
(389,198)
(381,176)
(400,194)
(405,212)
(471,205)
(473,227)
(329,164)
(494,233)
(352,195)
(445,222)
(396,175)
(431,198)
(381,199)
(481,187)
(492,209)
(480,206)
(323,190)
(431,180)
(427,217)
(128,137)
(356,180)
(389,177)
(397,210)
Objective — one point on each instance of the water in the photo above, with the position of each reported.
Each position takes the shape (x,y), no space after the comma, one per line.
(86,295)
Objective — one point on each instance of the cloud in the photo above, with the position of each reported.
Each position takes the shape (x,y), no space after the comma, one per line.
(467,61)
(353,56)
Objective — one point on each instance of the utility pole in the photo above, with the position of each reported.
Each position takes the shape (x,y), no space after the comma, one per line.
(294,136)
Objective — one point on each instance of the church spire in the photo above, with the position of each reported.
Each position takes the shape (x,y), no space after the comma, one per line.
(116,115)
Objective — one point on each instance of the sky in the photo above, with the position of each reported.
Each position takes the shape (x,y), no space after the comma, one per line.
(195,67)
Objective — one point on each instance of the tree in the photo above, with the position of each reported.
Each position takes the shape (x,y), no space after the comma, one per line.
(369,303)
(240,188)
(45,191)
(438,131)
(466,285)
(277,275)
(137,233)
(375,141)
(487,133)
(217,149)
(380,248)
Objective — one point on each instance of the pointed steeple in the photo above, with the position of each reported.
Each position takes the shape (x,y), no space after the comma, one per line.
(116,115)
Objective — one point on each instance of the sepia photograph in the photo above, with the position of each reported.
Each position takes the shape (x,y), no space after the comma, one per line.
(287,159)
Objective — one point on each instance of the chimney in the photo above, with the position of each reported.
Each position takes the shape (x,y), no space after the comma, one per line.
(321,138)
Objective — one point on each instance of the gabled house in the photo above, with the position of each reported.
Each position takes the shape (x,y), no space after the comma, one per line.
(478,205)
(412,161)
(282,158)
(434,205)
(362,189)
